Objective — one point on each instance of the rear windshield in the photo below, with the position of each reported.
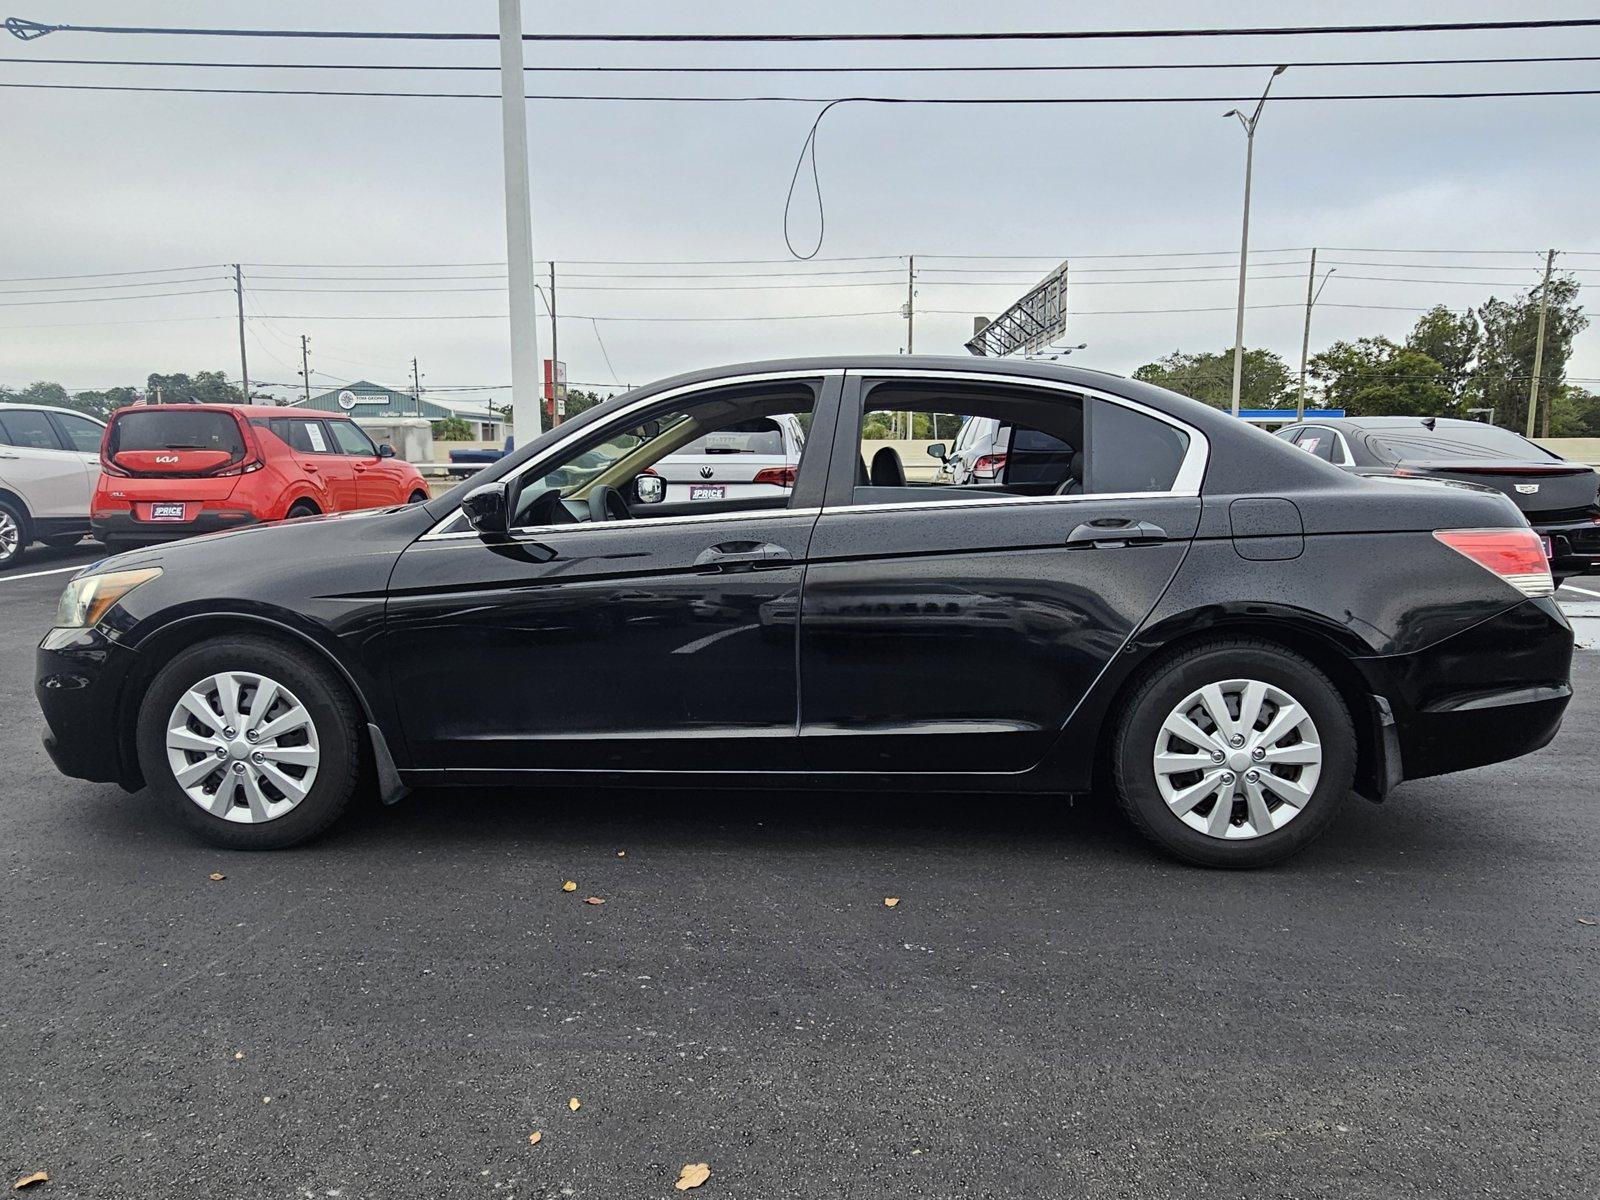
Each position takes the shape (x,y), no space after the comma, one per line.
(173,430)
(759,435)
(1483,441)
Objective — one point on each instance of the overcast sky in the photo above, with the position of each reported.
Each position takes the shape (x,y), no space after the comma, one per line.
(109,182)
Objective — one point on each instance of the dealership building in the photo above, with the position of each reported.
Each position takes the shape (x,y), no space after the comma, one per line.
(372,403)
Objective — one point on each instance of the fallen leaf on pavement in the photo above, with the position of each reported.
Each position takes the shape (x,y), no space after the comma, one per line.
(533,1138)
(217,877)
(593,900)
(266,1099)
(238,1055)
(30,1180)
(890,901)
(1587,921)
(569,886)
(573,1104)
(692,1176)
(622,854)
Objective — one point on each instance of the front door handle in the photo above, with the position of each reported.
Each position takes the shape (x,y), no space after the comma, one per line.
(1116,531)
(742,556)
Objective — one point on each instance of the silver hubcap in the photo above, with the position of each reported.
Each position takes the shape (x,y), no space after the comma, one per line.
(10,535)
(242,747)
(1238,759)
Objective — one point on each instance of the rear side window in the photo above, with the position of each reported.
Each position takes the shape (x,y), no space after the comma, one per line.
(29,430)
(172,429)
(1480,442)
(81,433)
(1130,452)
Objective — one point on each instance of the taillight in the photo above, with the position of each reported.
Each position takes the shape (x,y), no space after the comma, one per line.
(243,468)
(990,466)
(782,476)
(1516,555)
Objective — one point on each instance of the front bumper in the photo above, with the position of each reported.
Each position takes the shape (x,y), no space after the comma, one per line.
(78,688)
(1490,693)
(124,529)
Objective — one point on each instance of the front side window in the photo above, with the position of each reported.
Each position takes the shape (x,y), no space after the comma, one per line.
(28,429)
(82,434)
(728,451)
(351,439)
(1020,442)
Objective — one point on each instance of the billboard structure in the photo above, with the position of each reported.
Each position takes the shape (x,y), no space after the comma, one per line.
(1032,323)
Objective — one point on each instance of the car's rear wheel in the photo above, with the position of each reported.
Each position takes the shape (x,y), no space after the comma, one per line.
(303,508)
(13,533)
(417,498)
(1234,754)
(62,540)
(254,744)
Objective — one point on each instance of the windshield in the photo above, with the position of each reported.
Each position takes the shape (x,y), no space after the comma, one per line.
(167,429)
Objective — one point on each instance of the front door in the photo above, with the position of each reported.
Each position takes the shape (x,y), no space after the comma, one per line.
(376,482)
(954,629)
(615,630)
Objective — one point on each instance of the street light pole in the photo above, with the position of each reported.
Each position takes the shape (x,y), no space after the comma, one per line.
(1538,347)
(1305,338)
(1244,238)
(519,228)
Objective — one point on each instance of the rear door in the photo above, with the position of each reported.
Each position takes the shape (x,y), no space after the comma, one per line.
(39,464)
(954,629)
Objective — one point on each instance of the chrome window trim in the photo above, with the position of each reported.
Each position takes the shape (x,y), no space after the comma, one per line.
(437,532)
(1191,472)
(1338,435)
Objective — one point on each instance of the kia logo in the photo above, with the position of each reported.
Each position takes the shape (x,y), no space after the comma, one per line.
(166,458)
(705,472)
(1527,489)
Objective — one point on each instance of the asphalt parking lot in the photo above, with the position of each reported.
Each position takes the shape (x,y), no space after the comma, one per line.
(1410,1008)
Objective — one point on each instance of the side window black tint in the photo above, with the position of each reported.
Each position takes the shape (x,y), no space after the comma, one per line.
(1318,442)
(29,430)
(1130,452)
(80,433)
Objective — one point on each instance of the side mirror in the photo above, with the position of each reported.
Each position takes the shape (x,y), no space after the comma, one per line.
(650,489)
(385,450)
(488,508)
(940,451)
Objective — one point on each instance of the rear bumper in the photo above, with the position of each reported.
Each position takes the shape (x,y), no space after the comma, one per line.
(1575,546)
(1491,693)
(124,529)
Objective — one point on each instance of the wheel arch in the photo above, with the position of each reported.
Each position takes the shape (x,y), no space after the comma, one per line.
(24,511)
(158,647)
(1330,648)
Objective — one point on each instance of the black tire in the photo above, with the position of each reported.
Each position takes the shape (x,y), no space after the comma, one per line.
(62,540)
(417,498)
(1166,686)
(333,712)
(11,552)
(302,508)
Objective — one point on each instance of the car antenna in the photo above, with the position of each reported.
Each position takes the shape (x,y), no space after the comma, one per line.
(1429,422)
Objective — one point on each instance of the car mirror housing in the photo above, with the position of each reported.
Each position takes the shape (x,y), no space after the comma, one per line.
(488,508)
(940,451)
(650,489)
(385,450)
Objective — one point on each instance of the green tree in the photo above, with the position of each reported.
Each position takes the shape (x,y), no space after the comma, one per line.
(1373,376)
(1264,382)
(1574,412)
(103,403)
(1510,335)
(205,387)
(453,429)
(1451,339)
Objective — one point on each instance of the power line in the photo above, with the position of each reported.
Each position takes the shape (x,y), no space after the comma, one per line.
(28,30)
(1006,101)
(111,274)
(105,287)
(113,299)
(889,312)
(929,69)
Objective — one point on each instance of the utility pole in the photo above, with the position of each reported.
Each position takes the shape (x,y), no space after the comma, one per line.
(305,364)
(555,357)
(416,388)
(244,363)
(525,420)
(1538,348)
(1244,238)
(911,318)
(1305,337)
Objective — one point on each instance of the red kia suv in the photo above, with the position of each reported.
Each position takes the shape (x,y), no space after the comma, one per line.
(169,471)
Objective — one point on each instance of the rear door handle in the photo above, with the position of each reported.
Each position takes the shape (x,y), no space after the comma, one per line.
(1116,531)
(743,556)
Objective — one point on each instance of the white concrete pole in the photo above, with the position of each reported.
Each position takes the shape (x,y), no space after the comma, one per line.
(519,229)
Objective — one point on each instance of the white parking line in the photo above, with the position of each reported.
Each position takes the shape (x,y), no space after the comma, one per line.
(1567,587)
(41,574)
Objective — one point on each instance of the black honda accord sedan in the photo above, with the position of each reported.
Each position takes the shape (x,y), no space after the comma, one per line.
(1148,597)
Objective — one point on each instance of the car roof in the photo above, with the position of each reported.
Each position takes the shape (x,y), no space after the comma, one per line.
(249,410)
(1402,423)
(55,408)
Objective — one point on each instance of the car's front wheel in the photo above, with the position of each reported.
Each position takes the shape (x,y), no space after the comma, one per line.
(1234,753)
(253,744)
(13,533)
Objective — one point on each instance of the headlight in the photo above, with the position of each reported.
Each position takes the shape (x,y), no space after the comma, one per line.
(90,597)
